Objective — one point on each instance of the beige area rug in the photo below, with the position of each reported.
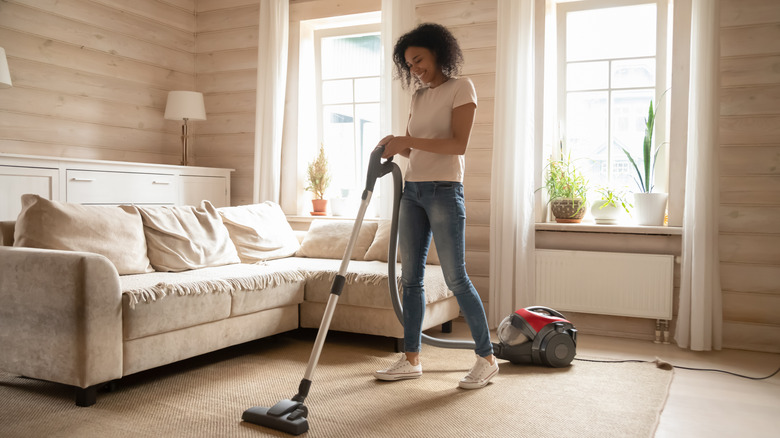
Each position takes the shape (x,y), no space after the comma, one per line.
(205,396)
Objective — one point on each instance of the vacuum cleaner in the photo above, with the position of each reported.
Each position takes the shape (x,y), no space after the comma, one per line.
(533,335)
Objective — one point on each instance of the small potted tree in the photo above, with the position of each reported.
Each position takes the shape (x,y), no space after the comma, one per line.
(317,181)
(607,209)
(567,190)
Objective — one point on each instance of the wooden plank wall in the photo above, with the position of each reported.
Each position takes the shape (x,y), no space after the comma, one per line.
(473,22)
(226,65)
(750,173)
(91,77)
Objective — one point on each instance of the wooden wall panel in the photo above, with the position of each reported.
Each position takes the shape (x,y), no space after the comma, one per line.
(91,77)
(226,62)
(750,70)
(755,190)
(474,25)
(750,173)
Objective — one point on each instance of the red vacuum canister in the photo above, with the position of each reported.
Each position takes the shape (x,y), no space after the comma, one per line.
(536,335)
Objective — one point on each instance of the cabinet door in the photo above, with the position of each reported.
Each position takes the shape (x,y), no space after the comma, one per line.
(195,189)
(17,181)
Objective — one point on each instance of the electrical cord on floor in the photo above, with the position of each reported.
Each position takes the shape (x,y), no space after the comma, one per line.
(665,365)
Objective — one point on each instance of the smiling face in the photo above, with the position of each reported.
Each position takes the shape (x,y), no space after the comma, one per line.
(422,63)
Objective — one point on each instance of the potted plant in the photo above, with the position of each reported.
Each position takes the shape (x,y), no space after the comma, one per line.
(567,190)
(317,181)
(650,206)
(607,210)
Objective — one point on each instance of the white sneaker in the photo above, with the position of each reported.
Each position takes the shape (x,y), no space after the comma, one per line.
(400,370)
(480,374)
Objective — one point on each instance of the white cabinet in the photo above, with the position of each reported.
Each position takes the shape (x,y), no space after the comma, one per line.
(107,183)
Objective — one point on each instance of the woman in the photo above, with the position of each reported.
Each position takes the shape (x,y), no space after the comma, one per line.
(440,122)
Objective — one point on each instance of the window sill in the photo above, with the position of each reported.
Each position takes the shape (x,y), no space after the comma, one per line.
(590,227)
(308,218)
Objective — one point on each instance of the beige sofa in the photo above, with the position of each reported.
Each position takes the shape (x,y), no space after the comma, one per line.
(73,317)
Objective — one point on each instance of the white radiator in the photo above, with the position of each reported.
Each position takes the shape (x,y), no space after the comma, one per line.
(637,285)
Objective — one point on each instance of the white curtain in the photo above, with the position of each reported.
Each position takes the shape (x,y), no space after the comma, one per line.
(273,32)
(700,316)
(512,188)
(397,19)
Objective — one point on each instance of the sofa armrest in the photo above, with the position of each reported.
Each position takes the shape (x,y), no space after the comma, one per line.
(60,316)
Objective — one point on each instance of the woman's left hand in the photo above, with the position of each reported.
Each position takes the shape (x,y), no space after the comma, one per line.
(394,145)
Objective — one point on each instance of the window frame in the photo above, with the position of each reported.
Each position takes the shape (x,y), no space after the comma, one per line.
(336,31)
(662,80)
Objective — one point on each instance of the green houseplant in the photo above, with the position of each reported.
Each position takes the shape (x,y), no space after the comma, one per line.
(317,181)
(607,210)
(567,190)
(651,206)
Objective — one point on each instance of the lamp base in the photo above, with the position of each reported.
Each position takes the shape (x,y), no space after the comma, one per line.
(184,151)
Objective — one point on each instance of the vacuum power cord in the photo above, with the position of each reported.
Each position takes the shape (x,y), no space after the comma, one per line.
(666,365)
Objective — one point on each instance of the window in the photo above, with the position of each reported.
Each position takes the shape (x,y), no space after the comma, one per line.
(611,64)
(348,66)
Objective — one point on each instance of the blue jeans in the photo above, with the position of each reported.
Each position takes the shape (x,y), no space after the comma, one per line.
(437,208)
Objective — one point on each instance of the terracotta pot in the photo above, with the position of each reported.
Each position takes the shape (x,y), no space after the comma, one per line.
(319,207)
(568,210)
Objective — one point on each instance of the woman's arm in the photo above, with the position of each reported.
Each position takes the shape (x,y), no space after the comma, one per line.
(462,122)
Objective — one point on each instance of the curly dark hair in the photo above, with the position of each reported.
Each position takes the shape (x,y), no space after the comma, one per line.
(434,37)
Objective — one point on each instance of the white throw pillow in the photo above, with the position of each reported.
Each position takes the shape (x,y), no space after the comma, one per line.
(112,232)
(378,248)
(186,237)
(260,231)
(328,239)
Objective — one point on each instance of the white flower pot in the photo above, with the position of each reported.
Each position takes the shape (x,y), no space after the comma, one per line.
(650,208)
(606,215)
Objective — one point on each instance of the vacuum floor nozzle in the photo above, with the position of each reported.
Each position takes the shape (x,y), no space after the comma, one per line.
(287,416)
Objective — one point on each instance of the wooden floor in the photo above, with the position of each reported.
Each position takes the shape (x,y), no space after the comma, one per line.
(700,404)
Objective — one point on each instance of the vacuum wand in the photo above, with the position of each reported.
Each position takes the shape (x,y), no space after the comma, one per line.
(290,415)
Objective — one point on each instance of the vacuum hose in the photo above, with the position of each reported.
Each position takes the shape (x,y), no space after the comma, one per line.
(377,169)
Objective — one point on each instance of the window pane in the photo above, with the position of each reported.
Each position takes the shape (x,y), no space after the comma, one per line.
(621,32)
(338,132)
(633,73)
(629,112)
(350,56)
(587,76)
(367,126)
(339,91)
(367,90)
(586,133)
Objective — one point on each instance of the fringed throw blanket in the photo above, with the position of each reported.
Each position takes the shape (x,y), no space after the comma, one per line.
(371,273)
(222,279)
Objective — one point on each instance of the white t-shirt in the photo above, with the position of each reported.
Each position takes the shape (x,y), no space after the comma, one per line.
(431,117)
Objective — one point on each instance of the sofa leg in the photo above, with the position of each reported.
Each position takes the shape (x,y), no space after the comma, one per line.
(399,345)
(446,327)
(86,396)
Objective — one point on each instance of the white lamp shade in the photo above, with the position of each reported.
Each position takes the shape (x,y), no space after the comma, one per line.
(5,74)
(185,105)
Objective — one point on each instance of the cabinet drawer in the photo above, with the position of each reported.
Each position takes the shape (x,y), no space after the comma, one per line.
(96,187)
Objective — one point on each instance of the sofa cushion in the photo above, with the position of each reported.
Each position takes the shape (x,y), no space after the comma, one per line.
(159,302)
(172,312)
(328,239)
(185,237)
(112,232)
(366,282)
(378,249)
(259,231)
